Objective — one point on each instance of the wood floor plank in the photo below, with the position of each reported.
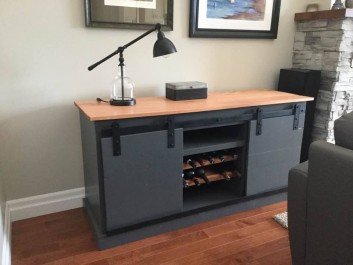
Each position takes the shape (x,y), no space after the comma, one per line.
(66,238)
(152,250)
(25,226)
(235,225)
(280,257)
(217,254)
(203,245)
(254,253)
(61,232)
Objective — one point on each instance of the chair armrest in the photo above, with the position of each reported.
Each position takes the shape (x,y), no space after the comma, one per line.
(329,205)
(297,200)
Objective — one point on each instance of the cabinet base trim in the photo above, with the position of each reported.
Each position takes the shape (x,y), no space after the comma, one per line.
(105,241)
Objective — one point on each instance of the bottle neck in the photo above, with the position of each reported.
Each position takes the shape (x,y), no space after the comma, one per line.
(122,71)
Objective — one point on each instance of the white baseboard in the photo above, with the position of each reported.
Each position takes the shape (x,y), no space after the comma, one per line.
(25,208)
(6,251)
(46,204)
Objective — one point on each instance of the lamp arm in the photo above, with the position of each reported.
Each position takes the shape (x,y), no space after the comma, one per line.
(122,48)
(156,27)
(102,61)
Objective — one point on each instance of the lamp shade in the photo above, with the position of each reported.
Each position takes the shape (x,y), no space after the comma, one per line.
(163,46)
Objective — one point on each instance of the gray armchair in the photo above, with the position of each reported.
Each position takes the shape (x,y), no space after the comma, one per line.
(320,202)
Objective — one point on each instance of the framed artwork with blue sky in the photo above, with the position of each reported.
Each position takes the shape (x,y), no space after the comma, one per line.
(234,18)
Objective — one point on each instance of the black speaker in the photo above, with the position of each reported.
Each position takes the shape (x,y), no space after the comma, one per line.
(306,83)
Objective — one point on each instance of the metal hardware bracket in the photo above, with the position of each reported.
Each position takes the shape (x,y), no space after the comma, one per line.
(259,118)
(116,139)
(171,133)
(296,116)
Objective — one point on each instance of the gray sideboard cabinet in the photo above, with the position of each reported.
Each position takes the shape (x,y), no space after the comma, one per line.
(163,165)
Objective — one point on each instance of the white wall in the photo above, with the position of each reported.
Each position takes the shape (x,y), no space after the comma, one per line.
(44,53)
(324,4)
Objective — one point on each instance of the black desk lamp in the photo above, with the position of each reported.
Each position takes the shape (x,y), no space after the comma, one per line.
(124,97)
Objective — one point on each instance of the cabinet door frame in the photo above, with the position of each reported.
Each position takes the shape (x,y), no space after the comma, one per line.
(265,150)
(143,183)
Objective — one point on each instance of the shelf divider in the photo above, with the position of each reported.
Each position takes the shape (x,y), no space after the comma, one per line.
(200,147)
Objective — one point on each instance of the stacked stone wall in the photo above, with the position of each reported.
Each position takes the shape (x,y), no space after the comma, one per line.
(327,45)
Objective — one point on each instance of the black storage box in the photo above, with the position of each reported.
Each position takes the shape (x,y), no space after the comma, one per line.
(186,90)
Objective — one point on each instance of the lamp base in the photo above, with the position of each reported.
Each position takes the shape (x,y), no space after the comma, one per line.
(123,102)
(337,5)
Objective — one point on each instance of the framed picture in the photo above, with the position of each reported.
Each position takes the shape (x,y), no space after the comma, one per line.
(234,18)
(129,14)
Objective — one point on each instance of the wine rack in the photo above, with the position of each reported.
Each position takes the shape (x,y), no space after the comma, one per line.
(214,176)
(208,168)
(213,165)
(205,162)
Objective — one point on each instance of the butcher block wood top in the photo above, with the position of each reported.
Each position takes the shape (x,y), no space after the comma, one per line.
(159,106)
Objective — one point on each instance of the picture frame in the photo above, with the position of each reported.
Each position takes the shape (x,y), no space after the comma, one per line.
(101,15)
(209,23)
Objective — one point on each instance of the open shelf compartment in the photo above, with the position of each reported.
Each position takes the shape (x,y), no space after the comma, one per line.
(220,189)
(205,196)
(214,139)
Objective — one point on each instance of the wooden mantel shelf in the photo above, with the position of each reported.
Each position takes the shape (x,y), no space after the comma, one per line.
(159,106)
(327,14)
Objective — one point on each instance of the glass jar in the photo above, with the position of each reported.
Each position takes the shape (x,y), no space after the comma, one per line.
(122,93)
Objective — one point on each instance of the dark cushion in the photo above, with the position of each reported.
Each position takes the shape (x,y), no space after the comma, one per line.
(297,194)
(344,131)
(302,169)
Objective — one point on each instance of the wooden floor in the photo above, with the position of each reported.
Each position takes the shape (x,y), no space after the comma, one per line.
(251,238)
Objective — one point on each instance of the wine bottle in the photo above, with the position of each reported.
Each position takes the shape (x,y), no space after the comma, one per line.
(210,159)
(191,163)
(217,155)
(222,158)
(225,174)
(236,173)
(200,172)
(191,175)
(201,161)
(231,153)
